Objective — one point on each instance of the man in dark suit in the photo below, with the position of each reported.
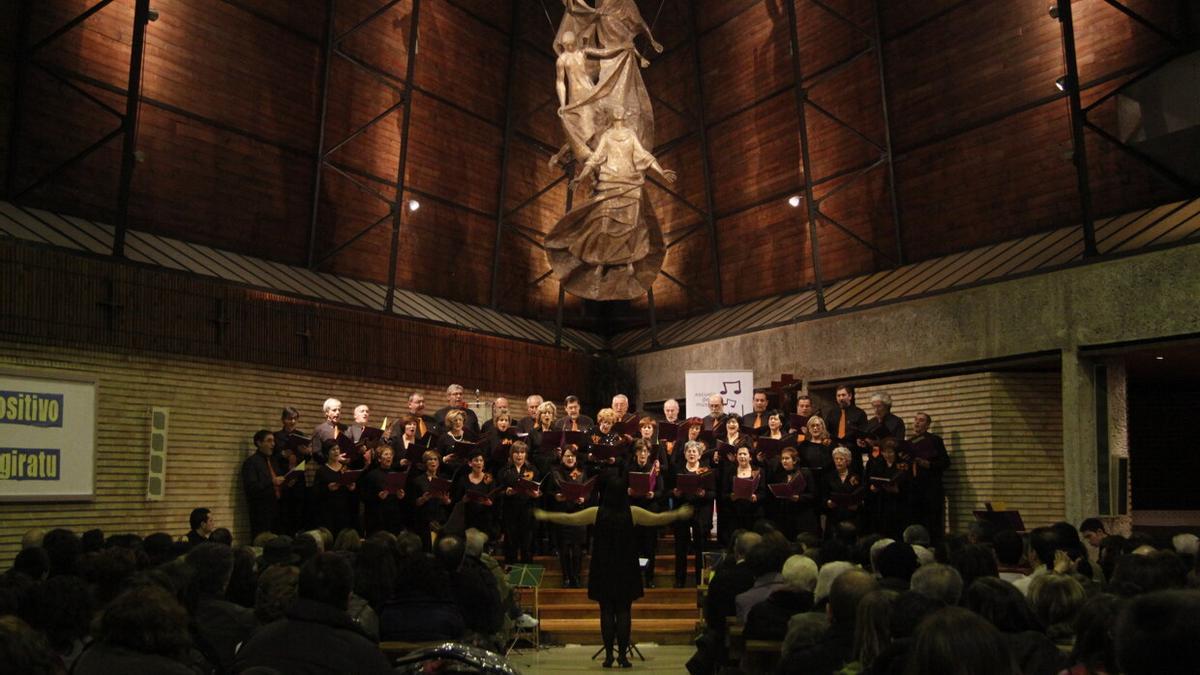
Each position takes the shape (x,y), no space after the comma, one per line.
(757,418)
(457,401)
(847,422)
(261,484)
(620,405)
(426,424)
(532,403)
(671,411)
(575,420)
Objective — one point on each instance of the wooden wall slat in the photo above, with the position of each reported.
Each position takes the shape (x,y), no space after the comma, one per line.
(216,406)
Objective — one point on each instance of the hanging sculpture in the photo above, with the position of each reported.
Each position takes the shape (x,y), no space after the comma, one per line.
(610,246)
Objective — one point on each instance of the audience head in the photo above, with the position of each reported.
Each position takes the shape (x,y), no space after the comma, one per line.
(908,610)
(1043,542)
(1009,548)
(938,581)
(26,650)
(1092,530)
(1185,543)
(33,537)
(107,571)
(956,641)
(328,579)
(61,607)
(1095,628)
(974,561)
(347,540)
(743,542)
(847,591)
(1157,633)
(872,626)
(1002,604)
(897,561)
(147,619)
(158,548)
(63,546)
(92,540)
(212,565)
(829,573)
(32,562)
(1056,599)
(221,535)
(474,541)
(449,552)
(767,557)
(277,588)
(800,573)
(1158,571)
(875,549)
(916,535)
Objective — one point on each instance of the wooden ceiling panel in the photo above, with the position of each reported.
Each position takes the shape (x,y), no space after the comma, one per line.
(462,60)
(755,154)
(690,262)
(686,160)
(852,97)
(711,13)
(453,155)
(447,252)
(344,212)
(671,81)
(898,16)
(763,251)
(862,206)
(535,103)
(1112,41)
(825,39)
(355,98)
(745,59)
(528,174)
(495,12)
(521,265)
(383,41)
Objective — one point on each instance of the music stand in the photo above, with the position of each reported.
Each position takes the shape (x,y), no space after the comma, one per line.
(1002,520)
(526,576)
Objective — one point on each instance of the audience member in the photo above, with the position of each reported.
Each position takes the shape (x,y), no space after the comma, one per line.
(25,650)
(63,547)
(954,641)
(201,523)
(836,647)
(277,587)
(1094,652)
(61,608)
(220,625)
(897,562)
(940,582)
(872,628)
(1157,634)
(766,564)
(974,561)
(144,630)
(316,635)
(1056,599)
(768,619)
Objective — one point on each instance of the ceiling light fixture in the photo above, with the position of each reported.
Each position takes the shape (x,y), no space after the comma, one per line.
(1063,83)
(413,205)
(1158,358)
(794,201)
(1053,12)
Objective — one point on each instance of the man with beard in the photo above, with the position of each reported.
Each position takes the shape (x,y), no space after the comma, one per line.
(884,422)
(620,405)
(715,421)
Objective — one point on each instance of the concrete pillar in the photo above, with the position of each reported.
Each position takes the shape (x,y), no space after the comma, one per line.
(1079,436)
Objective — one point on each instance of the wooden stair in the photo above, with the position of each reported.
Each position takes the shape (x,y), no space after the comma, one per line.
(664,615)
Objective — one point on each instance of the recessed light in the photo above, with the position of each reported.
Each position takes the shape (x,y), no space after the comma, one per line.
(794,201)
(1158,358)
(413,205)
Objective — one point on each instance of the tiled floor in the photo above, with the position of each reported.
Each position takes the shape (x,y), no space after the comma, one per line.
(660,660)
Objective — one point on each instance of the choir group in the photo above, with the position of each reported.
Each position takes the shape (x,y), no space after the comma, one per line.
(805,472)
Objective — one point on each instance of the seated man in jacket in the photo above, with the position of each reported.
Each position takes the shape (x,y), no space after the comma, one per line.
(316,635)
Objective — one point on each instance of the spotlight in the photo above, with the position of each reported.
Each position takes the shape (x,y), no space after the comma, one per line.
(1158,358)
(794,201)
(152,15)
(413,205)
(1053,11)
(1063,83)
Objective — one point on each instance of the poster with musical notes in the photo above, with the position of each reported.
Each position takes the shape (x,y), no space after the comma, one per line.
(736,388)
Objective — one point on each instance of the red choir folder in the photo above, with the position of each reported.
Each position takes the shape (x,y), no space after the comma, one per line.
(882,481)
(922,448)
(631,428)
(480,497)
(744,487)
(770,448)
(726,449)
(395,481)
(753,431)
(602,451)
(567,437)
(574,491)
(500,452)
(844,500)
(370,436)
(526,487)
(642,483)
(693,483)
(348,477)
(798,423)
(296,474)
(439,487)
(668,432)
(791,488)
(294,442)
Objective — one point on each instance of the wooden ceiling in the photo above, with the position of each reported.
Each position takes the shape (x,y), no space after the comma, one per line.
(231,126)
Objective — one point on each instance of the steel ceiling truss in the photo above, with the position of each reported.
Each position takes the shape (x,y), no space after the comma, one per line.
(26,57)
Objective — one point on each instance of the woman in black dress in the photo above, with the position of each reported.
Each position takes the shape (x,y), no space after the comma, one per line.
(643,461)
(744,511)
(691,533)
(570,537)
(517,508)
(887,484)
(477,510)
(498,441)
(543,443)
(614,579)
(798,513)
(336,504)
(431,509)
(842,492)
(456,432)
(383,506)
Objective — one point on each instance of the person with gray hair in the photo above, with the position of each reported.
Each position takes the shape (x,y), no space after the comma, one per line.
(916,535)
(883,422)
(768,620)
(938,581)
(456,400)
(324,436)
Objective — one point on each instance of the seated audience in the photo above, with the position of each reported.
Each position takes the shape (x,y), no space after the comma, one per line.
(201,524)
(765,561)
(25,650)
(220,625)
(144,630)
(1157,634)
(316,634)
(1056,599)
(836,646)
(768,619)
(954,640)
(940,582)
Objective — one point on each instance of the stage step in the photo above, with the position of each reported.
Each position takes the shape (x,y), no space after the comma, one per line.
(674,596)
(587,631)
(641,610)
